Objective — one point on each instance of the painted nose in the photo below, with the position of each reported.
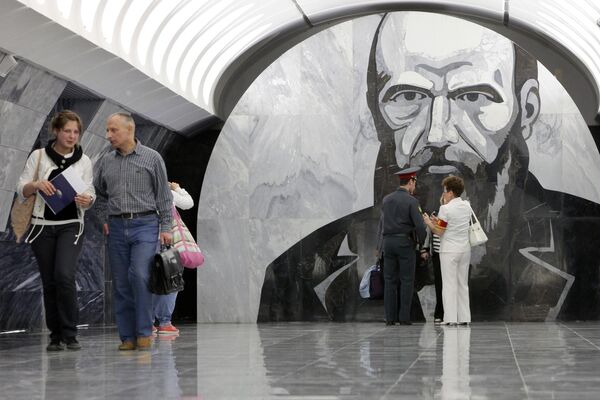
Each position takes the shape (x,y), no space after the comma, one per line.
(442,130)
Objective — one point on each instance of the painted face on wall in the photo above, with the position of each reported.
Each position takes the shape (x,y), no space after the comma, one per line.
(449,98)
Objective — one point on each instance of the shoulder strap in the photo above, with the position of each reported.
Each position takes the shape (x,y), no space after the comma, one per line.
(37,167)
(473,215)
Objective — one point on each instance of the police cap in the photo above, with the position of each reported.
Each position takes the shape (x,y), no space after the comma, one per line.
(408,173)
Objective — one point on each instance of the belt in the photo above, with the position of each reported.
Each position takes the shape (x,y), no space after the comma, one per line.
(395,235)
(133,215)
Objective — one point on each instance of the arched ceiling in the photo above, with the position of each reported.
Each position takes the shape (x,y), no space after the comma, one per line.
(186,60)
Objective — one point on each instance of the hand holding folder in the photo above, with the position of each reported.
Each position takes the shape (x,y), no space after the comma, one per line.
(67,184)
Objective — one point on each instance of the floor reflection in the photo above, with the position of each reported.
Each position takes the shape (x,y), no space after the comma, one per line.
(314,361)
(456,376)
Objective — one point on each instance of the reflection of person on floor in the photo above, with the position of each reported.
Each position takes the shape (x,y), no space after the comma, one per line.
(455,364)
(163,305)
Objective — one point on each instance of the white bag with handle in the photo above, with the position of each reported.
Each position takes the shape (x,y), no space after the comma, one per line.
(476,234)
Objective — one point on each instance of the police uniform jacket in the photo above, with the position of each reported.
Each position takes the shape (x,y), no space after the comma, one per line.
(402,215)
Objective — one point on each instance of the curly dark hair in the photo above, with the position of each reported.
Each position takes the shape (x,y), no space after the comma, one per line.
(454,184)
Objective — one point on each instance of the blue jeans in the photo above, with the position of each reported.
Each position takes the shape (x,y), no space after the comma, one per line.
(163,307)
(132,244)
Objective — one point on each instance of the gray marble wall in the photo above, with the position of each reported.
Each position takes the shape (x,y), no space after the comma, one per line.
(27,95)
(299,151)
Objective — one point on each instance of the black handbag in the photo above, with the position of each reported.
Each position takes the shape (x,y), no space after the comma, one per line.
(424,275)
(166,275)
(377,283)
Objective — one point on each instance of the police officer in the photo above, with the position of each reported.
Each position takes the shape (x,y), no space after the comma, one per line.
(402,227)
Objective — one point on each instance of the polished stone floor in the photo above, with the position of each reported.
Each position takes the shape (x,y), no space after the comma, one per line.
(314,361)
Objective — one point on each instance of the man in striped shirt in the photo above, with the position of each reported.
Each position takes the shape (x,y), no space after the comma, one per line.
(133,180)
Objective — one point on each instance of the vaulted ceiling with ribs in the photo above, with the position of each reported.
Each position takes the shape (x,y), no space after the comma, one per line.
(179,62)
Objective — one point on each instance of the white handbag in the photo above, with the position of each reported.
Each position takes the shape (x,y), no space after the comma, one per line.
(476,234)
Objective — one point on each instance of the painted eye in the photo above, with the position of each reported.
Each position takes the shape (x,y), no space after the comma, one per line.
(479,94)
(475,97)
(408,96)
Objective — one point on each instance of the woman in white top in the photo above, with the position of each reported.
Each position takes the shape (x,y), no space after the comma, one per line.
(56,237)
(164,305)
(452,225)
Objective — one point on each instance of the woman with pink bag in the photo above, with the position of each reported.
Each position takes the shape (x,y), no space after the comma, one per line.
(163,305)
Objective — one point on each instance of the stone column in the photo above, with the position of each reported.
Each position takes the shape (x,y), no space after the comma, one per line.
(27,96)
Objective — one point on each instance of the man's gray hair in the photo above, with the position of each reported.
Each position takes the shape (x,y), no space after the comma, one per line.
(126,117)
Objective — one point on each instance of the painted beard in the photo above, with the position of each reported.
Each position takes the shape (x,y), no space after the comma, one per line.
(482,185)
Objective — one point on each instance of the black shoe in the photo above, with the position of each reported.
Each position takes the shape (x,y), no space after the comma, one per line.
(72,344)
(404,323)
(389,323)
(55,345)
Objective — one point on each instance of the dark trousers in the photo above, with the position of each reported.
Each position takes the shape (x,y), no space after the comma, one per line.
(399,273)
(57,255)
(437,275)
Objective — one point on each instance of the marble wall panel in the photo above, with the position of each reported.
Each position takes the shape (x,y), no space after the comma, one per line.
(27,94)
(326,142)
(16,159)
(94,141)
(269,239)
(227,174)
(91,307)
(6,200)
(317,155)
(91,260)
(20,287)
(276,97)
(85,108)
(21,310)
(97,125)
(19,125)
(227,243)
(317,71)
(273,165)
(32,88)
(94,146)
(155,137)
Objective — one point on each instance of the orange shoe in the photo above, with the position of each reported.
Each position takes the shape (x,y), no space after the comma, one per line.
(168,330)
(127,345)
(144,342)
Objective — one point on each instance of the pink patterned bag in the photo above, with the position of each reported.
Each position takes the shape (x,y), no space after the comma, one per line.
(183,241)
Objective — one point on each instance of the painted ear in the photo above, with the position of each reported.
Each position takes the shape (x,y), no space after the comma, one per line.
(530,106)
